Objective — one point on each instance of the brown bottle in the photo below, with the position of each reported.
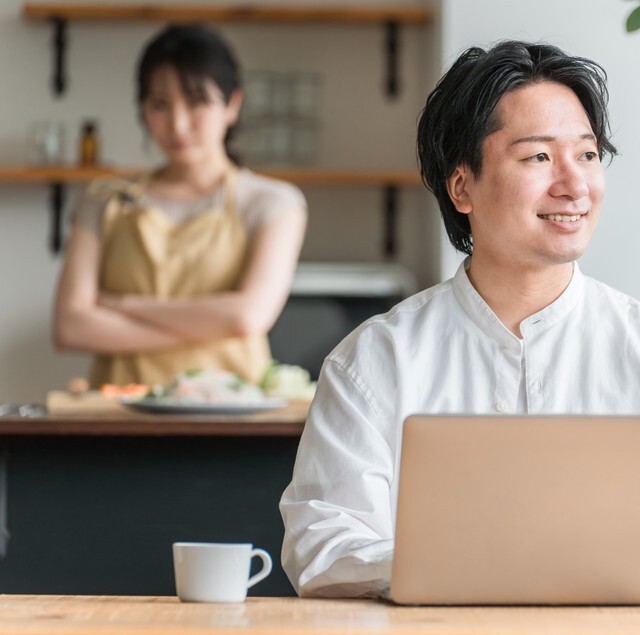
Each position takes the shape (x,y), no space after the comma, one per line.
(89,144)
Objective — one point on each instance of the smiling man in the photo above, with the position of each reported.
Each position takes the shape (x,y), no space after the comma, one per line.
(511,142)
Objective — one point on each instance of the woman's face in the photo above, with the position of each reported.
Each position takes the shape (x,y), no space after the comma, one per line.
(188,128)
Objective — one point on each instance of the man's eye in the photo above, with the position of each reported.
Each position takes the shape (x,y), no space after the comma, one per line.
(591,156)
(541,157)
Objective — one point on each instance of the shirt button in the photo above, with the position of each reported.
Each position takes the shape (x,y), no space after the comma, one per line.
(500,406)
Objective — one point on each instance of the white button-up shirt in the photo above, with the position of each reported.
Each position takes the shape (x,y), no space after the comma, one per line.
(440,351)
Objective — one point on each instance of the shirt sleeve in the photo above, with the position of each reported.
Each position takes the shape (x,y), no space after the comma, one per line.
(261,199)
(89,210)
(337,510)
(90,207)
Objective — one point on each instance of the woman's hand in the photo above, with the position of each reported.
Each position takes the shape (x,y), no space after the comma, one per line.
(85,320)
(88,320)
(251,309)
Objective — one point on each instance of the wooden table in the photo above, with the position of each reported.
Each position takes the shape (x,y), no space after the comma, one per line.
(94,502)
(287,422)
(288,616)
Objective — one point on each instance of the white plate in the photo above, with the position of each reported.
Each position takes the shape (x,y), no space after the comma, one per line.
(174,406)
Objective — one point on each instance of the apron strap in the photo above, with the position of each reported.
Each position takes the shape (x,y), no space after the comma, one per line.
(109,187)
(229,197)
(135,188)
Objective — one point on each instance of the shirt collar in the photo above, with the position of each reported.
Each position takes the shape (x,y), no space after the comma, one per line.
(480,312)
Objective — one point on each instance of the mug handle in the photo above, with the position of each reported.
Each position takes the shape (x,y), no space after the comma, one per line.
(267,565)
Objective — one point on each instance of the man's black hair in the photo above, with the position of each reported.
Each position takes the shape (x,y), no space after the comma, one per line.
(461,112)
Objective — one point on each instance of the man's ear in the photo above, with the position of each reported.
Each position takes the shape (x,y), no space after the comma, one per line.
(457,186)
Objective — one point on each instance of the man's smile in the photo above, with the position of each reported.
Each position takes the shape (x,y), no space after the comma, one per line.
(562,218)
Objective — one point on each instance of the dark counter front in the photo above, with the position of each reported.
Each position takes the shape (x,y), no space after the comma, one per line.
(93,504)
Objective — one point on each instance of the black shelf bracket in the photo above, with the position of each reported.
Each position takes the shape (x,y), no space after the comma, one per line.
(59,81)
(390,220)
(392,45)
(57,205)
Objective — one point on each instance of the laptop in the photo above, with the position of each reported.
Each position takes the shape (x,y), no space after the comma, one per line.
(518,510)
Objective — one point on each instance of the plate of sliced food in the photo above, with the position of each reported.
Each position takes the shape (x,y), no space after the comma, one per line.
(208,391)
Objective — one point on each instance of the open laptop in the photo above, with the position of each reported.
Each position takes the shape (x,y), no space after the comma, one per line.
(518,510)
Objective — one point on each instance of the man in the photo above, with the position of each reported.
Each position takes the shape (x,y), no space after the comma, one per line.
(511,142)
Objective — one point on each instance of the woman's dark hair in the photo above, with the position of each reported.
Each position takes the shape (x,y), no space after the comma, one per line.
(460,113)
(197,54)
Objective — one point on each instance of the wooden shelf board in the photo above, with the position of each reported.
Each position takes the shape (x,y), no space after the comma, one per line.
(408,14)
(58,174)
(74,174)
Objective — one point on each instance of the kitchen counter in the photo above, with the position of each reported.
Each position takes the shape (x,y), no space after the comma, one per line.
(288,422)
(94,501)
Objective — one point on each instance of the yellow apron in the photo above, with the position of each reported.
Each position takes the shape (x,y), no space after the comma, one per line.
(143,251)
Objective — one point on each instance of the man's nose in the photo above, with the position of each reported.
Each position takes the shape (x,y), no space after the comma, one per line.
(569,180)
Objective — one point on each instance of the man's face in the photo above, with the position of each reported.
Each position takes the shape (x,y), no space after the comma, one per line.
(537,199)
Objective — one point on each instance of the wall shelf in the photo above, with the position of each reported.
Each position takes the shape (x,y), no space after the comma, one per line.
(57,173)
(59,176)
(408,14)
(390,17)
(69,174)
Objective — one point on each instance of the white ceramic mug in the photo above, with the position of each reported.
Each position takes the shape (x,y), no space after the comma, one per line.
(216,572)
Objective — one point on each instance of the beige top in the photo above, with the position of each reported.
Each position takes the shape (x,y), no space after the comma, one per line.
(145,251)
(257,199)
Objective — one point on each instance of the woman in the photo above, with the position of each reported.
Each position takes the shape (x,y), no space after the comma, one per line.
(189,266)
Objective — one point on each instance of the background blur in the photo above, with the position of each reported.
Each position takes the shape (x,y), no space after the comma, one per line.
(357,127)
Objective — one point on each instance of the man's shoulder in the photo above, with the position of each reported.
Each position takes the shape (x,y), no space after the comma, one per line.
(602,297)
(423,310)
(417,308)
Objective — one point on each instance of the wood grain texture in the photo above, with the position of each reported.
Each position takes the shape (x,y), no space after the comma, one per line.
(100,615)
(288,422)
(241,12)
(75,174)
(60,173)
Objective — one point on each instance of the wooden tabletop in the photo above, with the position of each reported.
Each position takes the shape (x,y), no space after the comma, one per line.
(287,422)
(276,616)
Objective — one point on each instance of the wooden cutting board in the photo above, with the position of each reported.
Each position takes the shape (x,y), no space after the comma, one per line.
(61,402)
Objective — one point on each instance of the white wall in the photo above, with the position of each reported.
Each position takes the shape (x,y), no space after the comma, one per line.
(360,129)
(594,30)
